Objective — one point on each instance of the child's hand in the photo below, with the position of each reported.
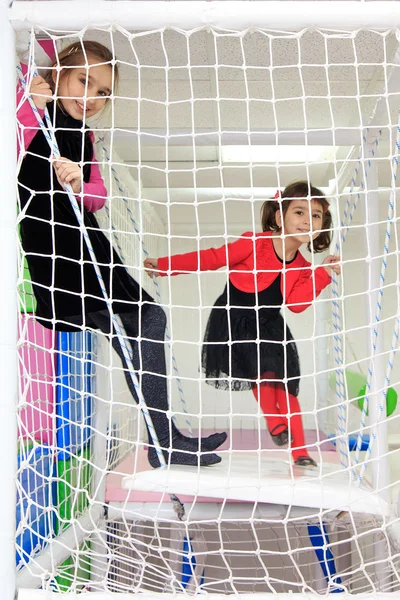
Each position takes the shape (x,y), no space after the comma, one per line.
(68,172)
(41,92)
(151,266)
(331,263)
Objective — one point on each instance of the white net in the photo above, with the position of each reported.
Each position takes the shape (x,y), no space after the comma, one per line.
(200,129)
(239,556)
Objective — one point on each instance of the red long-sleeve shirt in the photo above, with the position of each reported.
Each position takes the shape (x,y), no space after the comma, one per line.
(252,264)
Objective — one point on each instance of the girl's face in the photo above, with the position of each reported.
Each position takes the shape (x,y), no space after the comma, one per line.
(302,218)
(83,91)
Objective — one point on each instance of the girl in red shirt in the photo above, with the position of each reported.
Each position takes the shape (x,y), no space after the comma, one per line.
(247,344)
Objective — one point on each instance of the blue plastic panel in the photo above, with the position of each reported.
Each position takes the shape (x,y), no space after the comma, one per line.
(34,518)
(76,378)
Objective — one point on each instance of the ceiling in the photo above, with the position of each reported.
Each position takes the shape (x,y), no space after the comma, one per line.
(207,85)
(181,96)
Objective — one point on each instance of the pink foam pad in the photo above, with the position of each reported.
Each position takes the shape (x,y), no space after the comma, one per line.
(37,379)
(239,439)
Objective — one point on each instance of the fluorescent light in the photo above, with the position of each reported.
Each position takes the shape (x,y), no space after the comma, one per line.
(277,154)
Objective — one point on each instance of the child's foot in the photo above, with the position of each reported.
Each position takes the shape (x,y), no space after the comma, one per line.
(208,444)
(183,458)
(280,435)
(305,461)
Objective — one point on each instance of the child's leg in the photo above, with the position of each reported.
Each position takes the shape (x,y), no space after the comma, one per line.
(289,404)
(265,395)
(148,360)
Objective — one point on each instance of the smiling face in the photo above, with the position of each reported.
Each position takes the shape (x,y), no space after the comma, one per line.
(83,91)
(302,218)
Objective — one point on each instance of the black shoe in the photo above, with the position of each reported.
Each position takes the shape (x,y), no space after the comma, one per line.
(207,444)
(305,461)
(281,438)
(176,457)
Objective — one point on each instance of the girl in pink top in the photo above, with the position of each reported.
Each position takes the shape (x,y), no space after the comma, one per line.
(64,281)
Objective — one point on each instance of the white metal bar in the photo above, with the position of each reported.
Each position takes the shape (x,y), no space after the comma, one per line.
(203,511)
(338,185)
(335,189)
(47,595)
(240,14)
(179,195)
(380,449)
(8,309)
(344,136)
(58,550)
(101,420)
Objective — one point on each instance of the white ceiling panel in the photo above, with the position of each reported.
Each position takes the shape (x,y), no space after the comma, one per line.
(218,82)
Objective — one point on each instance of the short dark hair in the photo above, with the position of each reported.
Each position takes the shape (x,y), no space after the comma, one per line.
(299,189)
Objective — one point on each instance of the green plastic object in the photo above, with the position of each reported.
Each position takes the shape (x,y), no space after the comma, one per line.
(26,295)
(391,400)
(74,482)
(356,386)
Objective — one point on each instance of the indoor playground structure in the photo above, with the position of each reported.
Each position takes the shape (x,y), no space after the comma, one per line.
(218,105)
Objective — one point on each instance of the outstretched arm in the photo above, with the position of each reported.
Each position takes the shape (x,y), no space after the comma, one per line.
(201,260)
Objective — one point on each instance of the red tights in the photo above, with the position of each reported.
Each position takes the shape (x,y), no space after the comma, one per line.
(276,403)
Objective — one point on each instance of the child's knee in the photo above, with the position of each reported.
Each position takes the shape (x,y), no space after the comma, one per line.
(155,319)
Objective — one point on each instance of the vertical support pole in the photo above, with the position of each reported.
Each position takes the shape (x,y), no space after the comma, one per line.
(101,421)
(323,312)
(8,298)
(342,444)
(322,364)
(379,454)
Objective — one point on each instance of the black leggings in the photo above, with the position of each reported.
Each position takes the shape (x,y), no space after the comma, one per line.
(148,359)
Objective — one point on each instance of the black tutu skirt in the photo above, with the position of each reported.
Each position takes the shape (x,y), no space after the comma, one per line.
(243,341)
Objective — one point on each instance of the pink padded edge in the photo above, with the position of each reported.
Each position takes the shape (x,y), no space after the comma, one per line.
(36,375)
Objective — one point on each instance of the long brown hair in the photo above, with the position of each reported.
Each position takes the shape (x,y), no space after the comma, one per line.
(299,189)
(77,54)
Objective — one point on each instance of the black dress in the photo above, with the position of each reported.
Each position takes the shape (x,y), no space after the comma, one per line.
(245,339)
(66,286)
(63,277)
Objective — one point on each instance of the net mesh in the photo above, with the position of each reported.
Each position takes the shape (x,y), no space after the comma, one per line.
(239,557)
(200,129)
